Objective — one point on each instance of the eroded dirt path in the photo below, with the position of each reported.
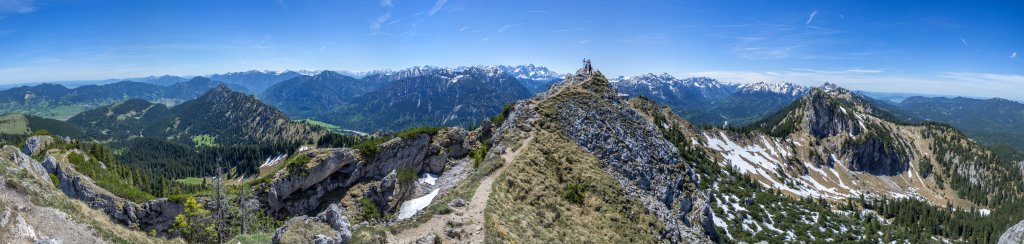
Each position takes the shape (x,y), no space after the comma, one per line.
(471,216)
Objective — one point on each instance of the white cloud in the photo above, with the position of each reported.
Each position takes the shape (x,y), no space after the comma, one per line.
(1013,54)
(437,6)
(506,27)
(987,78)
(811,18)
(17,6)
(537,12)
(376,24)
(963,41)
(386,3)
(762,52)
(463,28)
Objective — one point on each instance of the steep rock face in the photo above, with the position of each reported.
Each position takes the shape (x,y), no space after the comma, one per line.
(1015,234)
(155,215)
(825,118)
(878,158)
(338,168)
(284,192)
(590,113)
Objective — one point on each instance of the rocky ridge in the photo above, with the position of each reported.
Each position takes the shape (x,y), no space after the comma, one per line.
(588,111)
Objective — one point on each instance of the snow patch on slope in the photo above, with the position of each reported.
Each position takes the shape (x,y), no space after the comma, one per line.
(411,207)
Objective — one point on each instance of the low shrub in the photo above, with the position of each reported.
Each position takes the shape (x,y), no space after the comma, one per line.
(406,175)
(478,155)
(297,164)
(370,210)
(575,192)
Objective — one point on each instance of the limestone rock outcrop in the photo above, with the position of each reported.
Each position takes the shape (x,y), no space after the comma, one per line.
(335,169)
(333,217)
(36,144)
(157,215)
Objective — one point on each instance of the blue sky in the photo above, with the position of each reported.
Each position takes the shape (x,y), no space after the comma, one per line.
(940,47)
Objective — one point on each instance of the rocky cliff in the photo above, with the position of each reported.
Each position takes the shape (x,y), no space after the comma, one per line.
(156,215)
(336,169)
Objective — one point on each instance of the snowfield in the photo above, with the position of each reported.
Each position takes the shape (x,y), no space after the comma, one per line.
(411,207)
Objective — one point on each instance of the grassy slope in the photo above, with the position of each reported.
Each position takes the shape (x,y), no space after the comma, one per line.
(320,123)
(527,203)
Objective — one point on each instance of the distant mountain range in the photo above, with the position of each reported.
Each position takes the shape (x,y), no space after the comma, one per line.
(399,99)
(59,102)
(703,100)
(221,116)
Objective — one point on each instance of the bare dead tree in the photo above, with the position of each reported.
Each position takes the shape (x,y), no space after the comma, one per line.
(246,208)
(219,199)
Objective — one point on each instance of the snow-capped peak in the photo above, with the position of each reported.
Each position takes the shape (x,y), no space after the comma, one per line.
(779,88)
(652,80)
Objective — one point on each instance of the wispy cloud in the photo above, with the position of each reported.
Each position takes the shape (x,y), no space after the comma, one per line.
(762,52)
(568,30)
(963,41)
(506,27)
(376,24)
(464,28)
(1013,54)
(282,3)
(940,83)
(537,12)
(17,6)
(987,78)
(437,6)
(811,18)
(386,3)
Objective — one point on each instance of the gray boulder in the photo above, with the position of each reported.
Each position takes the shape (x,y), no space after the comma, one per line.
(1013,235)
(50,241)
(26,162)
(457,203)
(429,238)
(322,239)
(333,216)
(36,144)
